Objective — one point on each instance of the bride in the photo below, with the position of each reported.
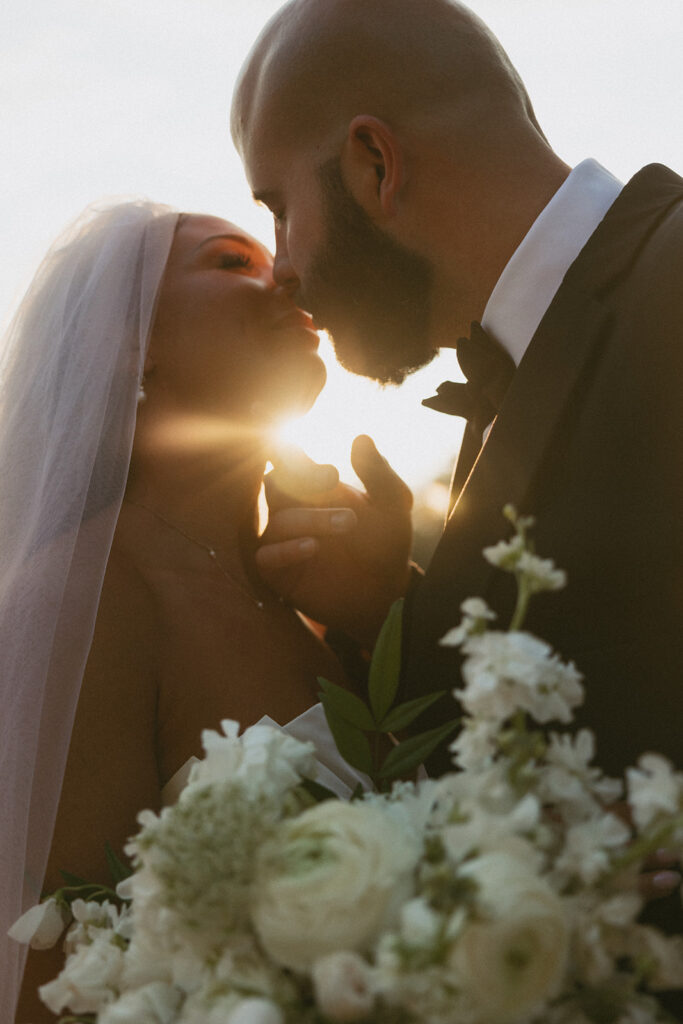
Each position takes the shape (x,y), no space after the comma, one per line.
(138,383)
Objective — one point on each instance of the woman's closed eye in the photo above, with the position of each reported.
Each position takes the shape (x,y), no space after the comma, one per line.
(235,260)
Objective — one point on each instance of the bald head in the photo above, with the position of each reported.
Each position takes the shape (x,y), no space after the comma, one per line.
(318,63)
(398,151)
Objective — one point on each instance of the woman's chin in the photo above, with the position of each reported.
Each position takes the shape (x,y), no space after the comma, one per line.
(294,388)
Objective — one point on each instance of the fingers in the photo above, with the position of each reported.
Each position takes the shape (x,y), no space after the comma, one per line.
(300,523)
(271,557)
(658,885)
(292,535)
(383,484)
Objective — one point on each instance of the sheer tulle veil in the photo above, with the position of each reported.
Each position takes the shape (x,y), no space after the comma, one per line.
(70,367)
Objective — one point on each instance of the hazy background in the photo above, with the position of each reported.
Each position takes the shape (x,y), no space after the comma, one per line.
(131,97)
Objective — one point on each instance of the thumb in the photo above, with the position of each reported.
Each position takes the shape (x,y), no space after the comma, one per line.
(383,485)
(297,477)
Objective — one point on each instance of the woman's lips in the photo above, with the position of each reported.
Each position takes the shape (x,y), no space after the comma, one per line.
(301,323)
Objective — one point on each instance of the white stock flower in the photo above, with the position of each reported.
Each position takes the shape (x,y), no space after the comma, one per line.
(89,979)
(654,788)
(541,573)
(475,615)
(475,745)
(342,983)
(156,1003)
(506,672)
(41,926)
(511,956)
(330,880)
(90,918)
(589,846)
(256,1011)
(264,760)
(506,553)
(569,780)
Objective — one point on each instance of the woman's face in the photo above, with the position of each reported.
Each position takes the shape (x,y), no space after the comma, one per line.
(226,340)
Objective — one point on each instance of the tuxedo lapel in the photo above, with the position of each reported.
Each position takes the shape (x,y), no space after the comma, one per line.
(561,352)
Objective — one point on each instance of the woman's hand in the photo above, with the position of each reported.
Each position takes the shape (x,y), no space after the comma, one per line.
(338,554)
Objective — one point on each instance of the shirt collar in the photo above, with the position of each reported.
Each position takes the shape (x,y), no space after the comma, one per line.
(535,270)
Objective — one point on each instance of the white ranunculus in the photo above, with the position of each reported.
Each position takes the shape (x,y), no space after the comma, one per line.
(152,1004)
(513,959)
(331,880)
(89,979)
(256,1011)
(342,983)
(40,926)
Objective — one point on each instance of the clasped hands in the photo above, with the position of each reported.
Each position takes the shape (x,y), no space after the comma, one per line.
(338,554)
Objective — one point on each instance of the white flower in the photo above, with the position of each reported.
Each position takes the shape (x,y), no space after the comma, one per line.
(475,614)
(512,958)
(420,924)
(568,779)
(40,926)
(504,672)
(331,879)
(653,788)
(541,573)
(506,553)
(156,1003)
(475,745)
(588,845)
(256,1011)
(90,977)
(264,760)
(342,983)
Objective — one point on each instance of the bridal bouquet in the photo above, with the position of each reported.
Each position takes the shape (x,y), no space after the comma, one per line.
(506,891)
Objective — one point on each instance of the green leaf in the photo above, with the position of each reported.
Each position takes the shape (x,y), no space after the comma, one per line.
(408,755)
(403,714)
(319,792)
(117,869)
(346,705)
(352,743)
(385,666)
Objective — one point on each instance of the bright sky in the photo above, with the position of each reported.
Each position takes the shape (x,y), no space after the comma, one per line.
(131,97)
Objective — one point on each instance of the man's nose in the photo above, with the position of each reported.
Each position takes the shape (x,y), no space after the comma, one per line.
(283,272)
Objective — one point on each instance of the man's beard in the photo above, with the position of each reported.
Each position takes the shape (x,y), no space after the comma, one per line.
(372,294)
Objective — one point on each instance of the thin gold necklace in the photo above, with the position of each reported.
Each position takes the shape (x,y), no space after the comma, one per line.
(211,552)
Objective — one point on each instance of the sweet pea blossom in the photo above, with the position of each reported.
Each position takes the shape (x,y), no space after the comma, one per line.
(41,926)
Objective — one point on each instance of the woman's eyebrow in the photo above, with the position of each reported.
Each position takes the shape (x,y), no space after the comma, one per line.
(231,237)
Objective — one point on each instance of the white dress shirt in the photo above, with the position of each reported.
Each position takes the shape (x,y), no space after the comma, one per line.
(535,270)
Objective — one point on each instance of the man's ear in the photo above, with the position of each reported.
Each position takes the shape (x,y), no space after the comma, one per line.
(372,163)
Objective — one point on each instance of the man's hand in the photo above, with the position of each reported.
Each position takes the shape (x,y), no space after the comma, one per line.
(337,554)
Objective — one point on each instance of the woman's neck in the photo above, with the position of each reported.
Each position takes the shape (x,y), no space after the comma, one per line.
(206,488)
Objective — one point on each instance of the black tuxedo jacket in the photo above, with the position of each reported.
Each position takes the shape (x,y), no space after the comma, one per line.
(589,439)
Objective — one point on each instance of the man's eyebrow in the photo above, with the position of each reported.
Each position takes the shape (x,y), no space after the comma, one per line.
(231,237)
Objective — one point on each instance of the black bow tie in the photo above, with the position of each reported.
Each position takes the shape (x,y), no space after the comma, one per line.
(488,369)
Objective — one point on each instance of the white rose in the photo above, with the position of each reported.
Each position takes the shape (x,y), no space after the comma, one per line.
(153,1004)
(89,979)
(342,986)
(513,959)
(331,879)
(40,926)
(256,1011)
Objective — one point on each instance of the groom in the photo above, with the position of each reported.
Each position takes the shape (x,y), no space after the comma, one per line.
(413,192)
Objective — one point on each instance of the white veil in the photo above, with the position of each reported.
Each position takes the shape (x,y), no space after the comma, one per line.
(70,367)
